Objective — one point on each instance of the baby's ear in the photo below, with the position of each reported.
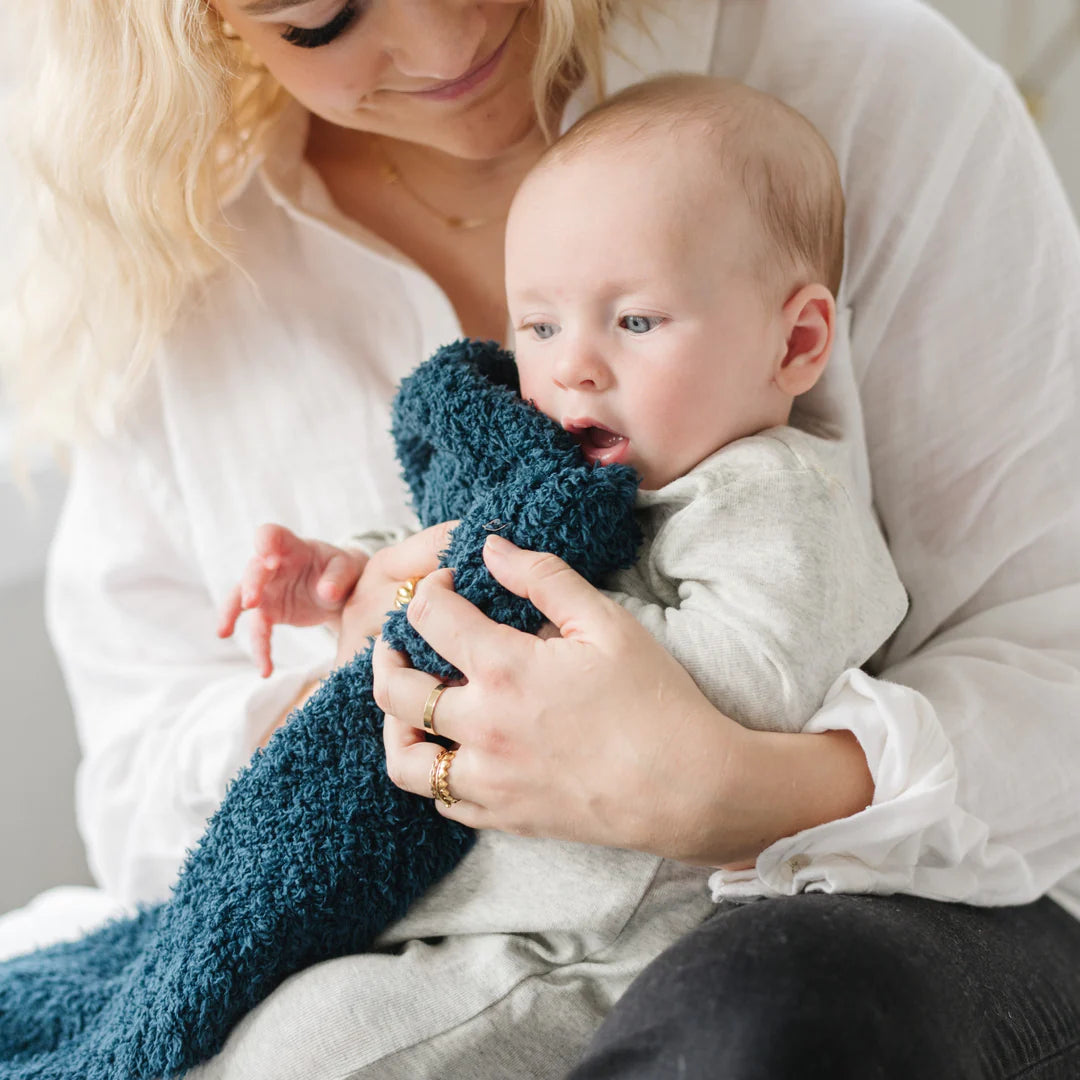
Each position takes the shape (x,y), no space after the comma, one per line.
(810,326)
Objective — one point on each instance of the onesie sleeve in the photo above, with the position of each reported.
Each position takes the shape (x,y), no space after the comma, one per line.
(966,324)
(370,541)
(166,712)
(766,586)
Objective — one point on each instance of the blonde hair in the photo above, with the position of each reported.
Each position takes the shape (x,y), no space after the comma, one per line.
(783,165)
(144,115)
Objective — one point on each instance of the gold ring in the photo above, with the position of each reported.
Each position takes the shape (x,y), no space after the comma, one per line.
(405,592)
(440,778)
(429,708)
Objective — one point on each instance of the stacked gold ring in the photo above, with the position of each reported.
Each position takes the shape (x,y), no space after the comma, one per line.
(440,778)
(406,591)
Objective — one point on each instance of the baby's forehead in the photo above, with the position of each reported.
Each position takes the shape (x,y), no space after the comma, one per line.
(664,183)
(650,162)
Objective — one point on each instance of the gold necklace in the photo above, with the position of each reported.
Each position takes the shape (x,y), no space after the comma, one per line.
(392,175)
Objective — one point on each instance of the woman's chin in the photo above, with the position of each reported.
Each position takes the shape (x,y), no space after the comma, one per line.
(486,134)
(482,134)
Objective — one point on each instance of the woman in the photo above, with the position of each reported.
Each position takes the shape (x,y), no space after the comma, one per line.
(370,228)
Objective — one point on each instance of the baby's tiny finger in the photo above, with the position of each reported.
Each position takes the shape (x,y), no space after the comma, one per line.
(261,629)
(338,579)
(230,612)
(256,575)
(271,539)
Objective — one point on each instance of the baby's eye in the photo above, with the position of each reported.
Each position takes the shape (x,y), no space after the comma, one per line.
(544,330)
(640,324)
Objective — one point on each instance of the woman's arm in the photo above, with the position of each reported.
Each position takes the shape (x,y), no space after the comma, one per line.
(166,712)
(610,741)
(964,268)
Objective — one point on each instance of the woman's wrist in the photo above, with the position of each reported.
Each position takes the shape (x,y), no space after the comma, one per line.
(764,786)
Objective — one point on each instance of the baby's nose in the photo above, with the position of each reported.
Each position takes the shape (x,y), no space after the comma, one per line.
(582,368)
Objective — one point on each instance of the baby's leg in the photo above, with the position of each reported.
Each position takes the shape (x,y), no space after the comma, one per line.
(50,995)
(312,854)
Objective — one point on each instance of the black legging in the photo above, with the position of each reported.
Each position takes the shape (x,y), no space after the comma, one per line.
(854,988)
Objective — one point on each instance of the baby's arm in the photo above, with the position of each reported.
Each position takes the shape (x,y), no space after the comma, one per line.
(292,581)
(765,588)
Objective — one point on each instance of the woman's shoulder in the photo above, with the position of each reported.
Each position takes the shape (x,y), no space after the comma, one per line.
(908,105)
(794,44)
(867,73)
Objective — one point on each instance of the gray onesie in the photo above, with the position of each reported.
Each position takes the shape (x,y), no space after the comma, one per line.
(763,577)
(765,580)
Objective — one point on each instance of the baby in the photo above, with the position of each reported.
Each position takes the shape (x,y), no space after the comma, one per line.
(671,268)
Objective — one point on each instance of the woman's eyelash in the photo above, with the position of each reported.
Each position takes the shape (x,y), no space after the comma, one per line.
(323,35)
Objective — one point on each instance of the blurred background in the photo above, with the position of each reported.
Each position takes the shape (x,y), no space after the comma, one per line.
(1037,41)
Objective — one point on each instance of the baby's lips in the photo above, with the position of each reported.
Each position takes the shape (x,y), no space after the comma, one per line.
(588,431)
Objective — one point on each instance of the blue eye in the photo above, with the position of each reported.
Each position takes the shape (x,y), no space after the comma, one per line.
(323,35)
(640,324)
(544,330)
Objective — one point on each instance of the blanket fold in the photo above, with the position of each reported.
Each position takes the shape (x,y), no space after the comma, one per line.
(313,851)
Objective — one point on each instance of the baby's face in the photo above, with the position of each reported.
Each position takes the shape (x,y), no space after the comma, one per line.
(637,323)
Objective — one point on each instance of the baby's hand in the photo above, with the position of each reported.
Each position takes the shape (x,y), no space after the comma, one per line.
(292,581)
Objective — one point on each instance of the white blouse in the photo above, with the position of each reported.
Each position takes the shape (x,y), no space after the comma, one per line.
(955,379)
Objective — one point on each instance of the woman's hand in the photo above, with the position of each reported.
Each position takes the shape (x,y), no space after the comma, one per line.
(386,571)
(597,734)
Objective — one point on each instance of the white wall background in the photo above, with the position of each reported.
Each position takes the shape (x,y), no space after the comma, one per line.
(38,844)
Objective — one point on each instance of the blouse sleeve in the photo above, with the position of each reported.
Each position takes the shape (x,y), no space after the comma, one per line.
(968,332)
(166,712)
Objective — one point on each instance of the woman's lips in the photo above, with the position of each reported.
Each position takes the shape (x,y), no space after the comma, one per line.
(471,79)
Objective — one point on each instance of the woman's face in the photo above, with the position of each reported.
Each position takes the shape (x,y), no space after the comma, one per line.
(448,74)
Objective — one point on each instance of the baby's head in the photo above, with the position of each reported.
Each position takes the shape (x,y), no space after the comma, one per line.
(671,264)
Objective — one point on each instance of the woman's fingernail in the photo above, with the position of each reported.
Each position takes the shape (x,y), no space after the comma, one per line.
(497,544)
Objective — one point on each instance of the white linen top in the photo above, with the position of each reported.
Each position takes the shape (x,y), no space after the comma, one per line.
(954,381)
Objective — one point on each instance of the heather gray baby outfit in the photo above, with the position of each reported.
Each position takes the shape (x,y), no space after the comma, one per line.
(763,576)
(765,579)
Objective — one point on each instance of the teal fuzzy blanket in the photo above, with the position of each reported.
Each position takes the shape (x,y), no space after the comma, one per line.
(313,851)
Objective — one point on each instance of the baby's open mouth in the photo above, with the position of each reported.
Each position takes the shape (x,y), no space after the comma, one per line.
(600,445)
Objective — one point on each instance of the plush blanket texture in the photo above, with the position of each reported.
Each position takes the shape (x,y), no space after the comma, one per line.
(313,851)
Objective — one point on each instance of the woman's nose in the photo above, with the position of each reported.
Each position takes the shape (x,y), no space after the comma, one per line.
(433,39)
(581,367)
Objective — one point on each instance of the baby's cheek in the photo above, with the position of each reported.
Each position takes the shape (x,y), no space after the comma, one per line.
(525,380)
(533,389)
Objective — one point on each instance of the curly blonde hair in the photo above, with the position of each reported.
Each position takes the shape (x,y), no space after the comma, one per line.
(142,115)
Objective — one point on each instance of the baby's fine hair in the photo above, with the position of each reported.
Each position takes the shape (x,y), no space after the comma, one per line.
(782,164)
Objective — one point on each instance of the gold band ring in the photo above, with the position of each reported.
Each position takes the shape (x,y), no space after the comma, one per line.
(406,591)
(440,778)
(429,708)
